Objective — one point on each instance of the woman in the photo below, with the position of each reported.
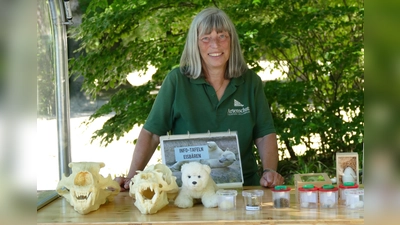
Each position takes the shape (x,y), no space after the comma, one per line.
(213,90)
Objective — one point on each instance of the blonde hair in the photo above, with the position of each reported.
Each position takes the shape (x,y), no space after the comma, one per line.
(207,20)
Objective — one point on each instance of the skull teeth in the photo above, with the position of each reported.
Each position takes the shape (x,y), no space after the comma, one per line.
(148,193)
(82,195)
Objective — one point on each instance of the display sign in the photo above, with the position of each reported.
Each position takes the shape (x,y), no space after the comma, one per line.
(191,153)
(219,150)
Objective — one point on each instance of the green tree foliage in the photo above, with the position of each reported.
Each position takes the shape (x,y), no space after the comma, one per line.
(122,36)
(321,42)
(323,96)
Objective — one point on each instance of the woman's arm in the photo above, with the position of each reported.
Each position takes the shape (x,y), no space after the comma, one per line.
(146,144)
(268,150)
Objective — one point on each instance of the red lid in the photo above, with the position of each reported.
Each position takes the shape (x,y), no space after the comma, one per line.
(328,188)
(308,187)
(348,185)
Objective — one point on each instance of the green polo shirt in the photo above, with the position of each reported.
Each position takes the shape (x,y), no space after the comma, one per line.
(184,104)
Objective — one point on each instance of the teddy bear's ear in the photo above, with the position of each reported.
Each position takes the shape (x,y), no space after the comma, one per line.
(207,168)
(183,166)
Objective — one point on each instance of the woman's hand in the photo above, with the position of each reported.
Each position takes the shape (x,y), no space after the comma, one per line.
(271,179)
(123,183)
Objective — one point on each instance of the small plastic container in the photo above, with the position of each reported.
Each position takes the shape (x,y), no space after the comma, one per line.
(281,196)
(343,188)
(328,196)
(226,199)
(355,199)
(253,199)
(308,196)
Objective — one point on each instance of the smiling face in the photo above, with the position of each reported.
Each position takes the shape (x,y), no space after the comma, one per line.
(214,49)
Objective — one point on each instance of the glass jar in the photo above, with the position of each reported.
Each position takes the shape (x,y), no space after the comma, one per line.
(308,196)
(253,199)
(328,196)
(355,199)
(343,188)
(226,199)
(281,196)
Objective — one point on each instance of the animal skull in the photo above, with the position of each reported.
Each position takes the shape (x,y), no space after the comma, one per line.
(153,188)
(85,189)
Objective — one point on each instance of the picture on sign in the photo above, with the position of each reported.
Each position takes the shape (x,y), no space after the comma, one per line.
(347,167)
(220,151)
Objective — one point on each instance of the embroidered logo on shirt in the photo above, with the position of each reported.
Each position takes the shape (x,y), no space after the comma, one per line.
(238,112)
(237,103)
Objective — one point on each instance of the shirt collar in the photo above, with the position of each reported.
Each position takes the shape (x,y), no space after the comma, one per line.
(235,81)
(199,80)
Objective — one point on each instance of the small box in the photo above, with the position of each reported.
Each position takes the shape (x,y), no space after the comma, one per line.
(308,196)
(281,196)
(328,196)
(226,199)
(316,179)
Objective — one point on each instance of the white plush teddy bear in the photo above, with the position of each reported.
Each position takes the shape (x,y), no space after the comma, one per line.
(197,184)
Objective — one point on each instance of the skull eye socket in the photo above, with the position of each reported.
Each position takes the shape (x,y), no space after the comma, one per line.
(64,189)
(189,176)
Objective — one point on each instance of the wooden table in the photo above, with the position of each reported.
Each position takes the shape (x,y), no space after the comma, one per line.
(123,211)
